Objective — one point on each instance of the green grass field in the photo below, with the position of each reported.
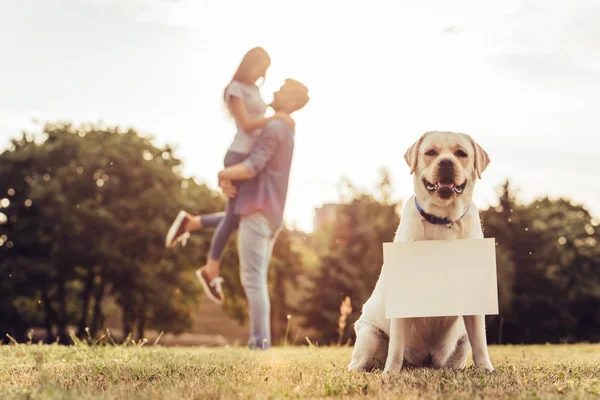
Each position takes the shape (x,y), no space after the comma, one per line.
(154,372)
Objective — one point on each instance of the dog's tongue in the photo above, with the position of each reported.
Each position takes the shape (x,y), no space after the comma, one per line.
(448,185)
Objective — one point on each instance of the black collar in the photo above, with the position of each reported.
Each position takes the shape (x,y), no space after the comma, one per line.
(432,219)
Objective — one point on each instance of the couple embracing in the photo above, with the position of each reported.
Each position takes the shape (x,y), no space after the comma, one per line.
(255,179)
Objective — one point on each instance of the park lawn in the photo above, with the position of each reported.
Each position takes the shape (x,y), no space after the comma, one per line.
(154,372)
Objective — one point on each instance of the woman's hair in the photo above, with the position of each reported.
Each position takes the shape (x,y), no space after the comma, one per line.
(252,57)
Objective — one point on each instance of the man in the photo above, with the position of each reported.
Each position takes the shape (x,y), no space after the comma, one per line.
(260,203)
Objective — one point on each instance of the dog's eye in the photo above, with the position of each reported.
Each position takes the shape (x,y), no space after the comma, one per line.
(460,153)
(431,153)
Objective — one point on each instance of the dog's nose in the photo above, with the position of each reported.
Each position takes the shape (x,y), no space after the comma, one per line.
(446,163)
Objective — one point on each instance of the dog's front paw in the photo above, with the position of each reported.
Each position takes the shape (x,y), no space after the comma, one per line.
(391,369)
(392,366)
(485,366)
(482,361)
(364,365)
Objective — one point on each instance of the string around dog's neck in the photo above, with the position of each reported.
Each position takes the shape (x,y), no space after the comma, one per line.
(432,219)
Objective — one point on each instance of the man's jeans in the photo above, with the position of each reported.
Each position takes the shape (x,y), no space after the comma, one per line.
(256,237)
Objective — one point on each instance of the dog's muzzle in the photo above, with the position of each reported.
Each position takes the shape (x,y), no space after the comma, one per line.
(444,189)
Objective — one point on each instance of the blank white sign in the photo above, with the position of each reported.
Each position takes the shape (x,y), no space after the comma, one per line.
(440,278)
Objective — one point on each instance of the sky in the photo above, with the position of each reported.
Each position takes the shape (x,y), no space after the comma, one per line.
(522,77)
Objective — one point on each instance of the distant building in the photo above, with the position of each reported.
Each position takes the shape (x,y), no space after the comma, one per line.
(325,215)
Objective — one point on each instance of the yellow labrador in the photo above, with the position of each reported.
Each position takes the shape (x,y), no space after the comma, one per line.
(445,166)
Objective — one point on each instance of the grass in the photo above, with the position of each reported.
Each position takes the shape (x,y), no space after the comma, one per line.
(154,372)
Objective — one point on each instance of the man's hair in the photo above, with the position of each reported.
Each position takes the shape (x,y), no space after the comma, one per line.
(300,91)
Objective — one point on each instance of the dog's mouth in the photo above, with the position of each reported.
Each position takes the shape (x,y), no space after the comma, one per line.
(445,187)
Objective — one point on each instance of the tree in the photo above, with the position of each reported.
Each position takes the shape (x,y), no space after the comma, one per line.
(284,271)
(353,264)
(548,264)
(84,217)
(555,293)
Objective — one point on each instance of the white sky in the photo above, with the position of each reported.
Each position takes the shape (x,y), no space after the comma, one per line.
(521,77)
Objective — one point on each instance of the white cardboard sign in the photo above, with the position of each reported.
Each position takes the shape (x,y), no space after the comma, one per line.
(440,278)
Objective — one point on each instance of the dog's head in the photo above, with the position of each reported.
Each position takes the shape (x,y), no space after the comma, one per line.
(446,166)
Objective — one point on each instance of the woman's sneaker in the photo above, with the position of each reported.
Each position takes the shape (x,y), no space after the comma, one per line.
(212,287)
(177,232)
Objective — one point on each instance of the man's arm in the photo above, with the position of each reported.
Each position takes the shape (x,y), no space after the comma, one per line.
(237,172)
(257,160)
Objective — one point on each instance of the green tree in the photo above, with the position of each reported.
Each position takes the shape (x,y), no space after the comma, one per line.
(555,290)
(353,263)
(84,217)
(285,269)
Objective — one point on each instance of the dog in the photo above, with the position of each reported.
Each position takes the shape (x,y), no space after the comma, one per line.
(446,166)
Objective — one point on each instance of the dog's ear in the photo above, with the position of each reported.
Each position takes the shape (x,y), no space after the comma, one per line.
(482,159)
(412,155)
